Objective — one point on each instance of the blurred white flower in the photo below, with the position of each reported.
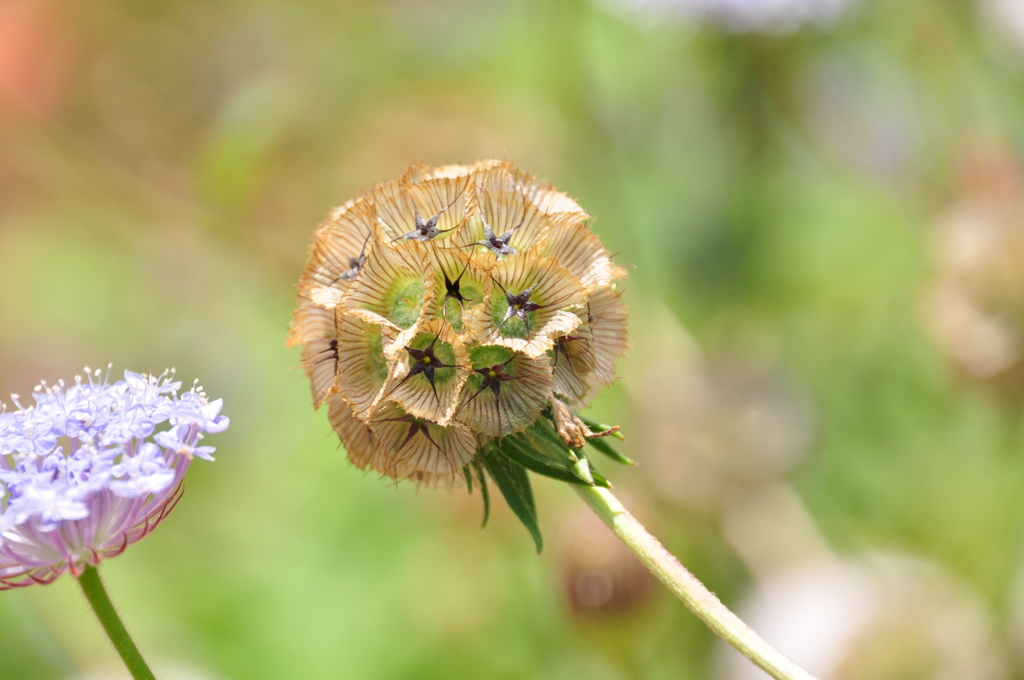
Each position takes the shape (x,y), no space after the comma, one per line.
(883,617)
(1006,19)
(740,16)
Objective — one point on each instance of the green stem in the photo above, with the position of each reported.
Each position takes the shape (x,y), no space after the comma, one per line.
(92,587)
(697,598)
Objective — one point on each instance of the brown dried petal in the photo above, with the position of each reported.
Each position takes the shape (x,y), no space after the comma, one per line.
(417,172)
(608,324)
(337,245)
(314,329)
(450,198)
(394,211)
(521,400)
(362,368)
(393,283)
(581,252)
(554,288)
(548,199)
(355,436)
(503,212)
(572,367)
(417,395)
(402,450)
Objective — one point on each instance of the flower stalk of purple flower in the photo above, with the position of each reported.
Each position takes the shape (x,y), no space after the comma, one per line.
(84,473)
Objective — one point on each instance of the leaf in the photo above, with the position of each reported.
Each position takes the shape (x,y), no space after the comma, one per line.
(606,448)
(600,427)
(581,468)
(514,485)
(543,428)
(546,437)
(485,493)
(552,450)
(542,437)
(599,479)
(522,453)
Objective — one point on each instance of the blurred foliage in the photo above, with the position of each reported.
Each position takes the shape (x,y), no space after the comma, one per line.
(162,166)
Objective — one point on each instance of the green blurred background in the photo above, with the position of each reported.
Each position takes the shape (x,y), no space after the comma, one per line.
(820,206)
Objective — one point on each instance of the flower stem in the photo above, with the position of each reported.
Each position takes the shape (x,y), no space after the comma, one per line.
(92,587)
(697,598)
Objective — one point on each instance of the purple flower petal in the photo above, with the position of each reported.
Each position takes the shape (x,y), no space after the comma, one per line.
(62,507)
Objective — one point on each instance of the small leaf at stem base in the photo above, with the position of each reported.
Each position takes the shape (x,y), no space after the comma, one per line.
(514,485)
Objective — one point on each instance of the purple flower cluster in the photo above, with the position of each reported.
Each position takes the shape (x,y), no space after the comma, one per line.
(84,471)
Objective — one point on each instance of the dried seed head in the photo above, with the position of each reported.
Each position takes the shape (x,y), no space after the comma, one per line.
(450,307)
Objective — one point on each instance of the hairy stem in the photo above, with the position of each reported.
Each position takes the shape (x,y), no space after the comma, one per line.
(92,587)
(697,598)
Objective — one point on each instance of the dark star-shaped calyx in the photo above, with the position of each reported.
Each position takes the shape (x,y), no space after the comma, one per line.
(354,263)
(493,376)
(426,230)
(453,292)
(498,244)
(416,426)
(427,363)
(519,305)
